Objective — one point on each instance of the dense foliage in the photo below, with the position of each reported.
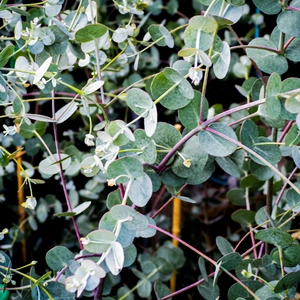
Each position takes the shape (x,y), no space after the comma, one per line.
(116,114)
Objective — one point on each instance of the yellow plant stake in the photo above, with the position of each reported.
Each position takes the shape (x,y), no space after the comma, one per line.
(21,209)
(176,227)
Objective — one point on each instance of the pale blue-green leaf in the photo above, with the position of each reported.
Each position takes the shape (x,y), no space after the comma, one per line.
(65,112)
(40,118)
(6,14)
(144,288)
(147,153)
(273,106)
(221,66)
(186,199)
(292,104)
(150,121)
(175,90)
(190,38)
(289,22)
(130,254)
(190,114)
(61,27)
(195,156)
(148,232)
(216,145)
(98,241)
(42,70)
(293,200)
(47,36)
(205,24)
(52,10)
(48,166)
(204,58)
(126,168)
(61,42)
(269,7)
(58,257)
(81,207)
(267,61)
(93,87)
(203,175)
(124,290)
(115,258)
(129,217)
(140,190)
(261,172)
(139,101)
(182,67)
(231,13)
(120,35)
(229,166)
(161,34)
(271,153)
(161,290)
(296,156)
(42,211)
(165,137)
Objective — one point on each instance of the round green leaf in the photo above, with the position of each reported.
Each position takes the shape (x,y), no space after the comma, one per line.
(261,172)
(203,23)
(269,7)
(48,165)
(200,176)
(190,38)
(273,106)
(230,261)
(165,137)
(216,145)
(140,190)
(289,22)
(129,217)
(177,92)
(223,245)
(161,289)
(237,290)
(221,65)
(243,216)
(161,33)
(287,282)
(267,61)
(98,241)
(90,32)
(58,257)
(189,115)
(236,196)
(142,148)
(291,256)
(292,104)
(293,200)
(275,237)
(192,154)
(125,168)
(138,101)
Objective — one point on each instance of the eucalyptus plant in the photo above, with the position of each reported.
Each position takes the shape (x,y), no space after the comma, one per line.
(85,94)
